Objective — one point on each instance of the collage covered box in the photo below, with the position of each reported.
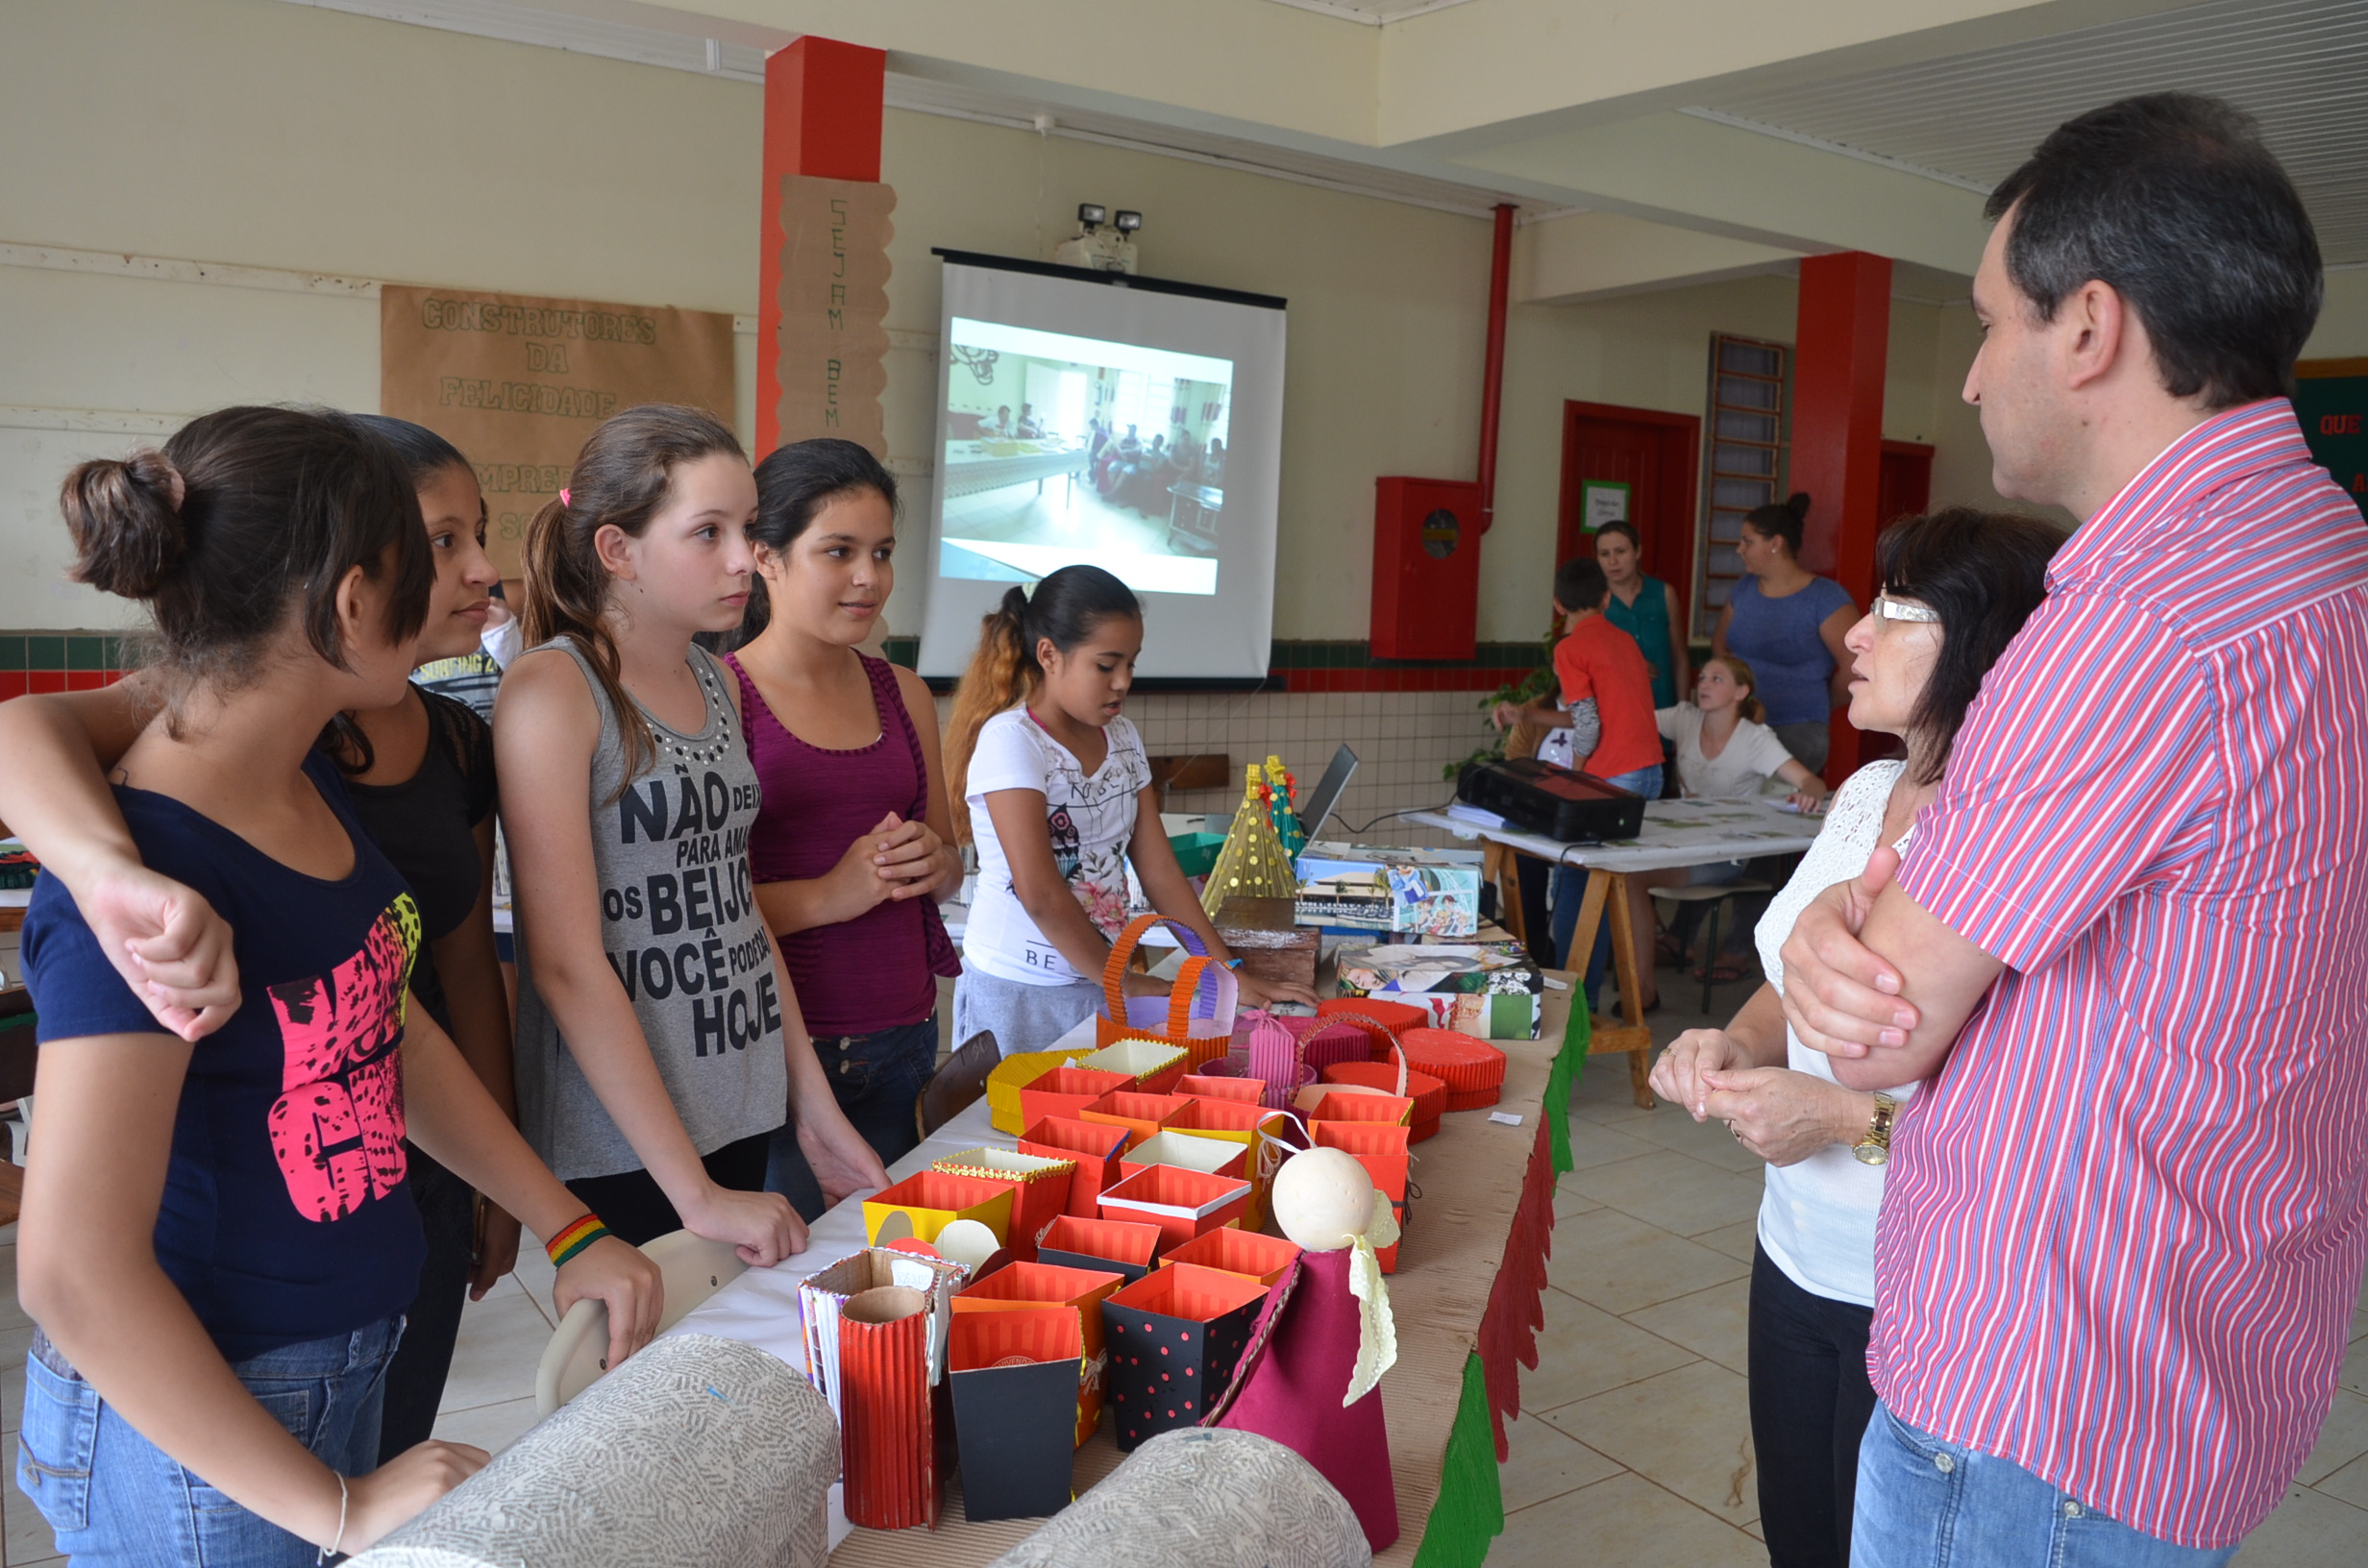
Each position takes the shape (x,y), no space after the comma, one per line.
(1490,990)
(1433,893)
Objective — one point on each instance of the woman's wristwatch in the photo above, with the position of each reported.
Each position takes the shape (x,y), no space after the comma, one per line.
(1875,1148)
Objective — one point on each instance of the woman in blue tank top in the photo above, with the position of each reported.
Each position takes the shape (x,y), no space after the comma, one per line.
(1788,624)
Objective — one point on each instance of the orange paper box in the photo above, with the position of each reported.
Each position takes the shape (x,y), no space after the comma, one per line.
(1182,1203)
(1026,1285)
(1064,1091)
(1153,1065)
(1237,1251)
(1201,1086)
(1348,1104)
(1095,1145)
(1141,1115)
(927,1201)
(1118,1246)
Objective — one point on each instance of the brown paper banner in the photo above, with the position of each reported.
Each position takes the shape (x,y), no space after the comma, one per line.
(517,383)
(834,306)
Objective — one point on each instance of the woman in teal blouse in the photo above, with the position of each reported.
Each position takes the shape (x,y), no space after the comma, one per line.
(1645,609)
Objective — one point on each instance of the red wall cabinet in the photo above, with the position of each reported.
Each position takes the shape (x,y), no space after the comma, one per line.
(1426,569)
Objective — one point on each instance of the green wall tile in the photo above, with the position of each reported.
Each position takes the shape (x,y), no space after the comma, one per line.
(44,652)
(11,651)
(86,653)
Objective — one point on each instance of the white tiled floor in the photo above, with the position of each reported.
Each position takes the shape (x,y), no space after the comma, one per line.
(1634,1436)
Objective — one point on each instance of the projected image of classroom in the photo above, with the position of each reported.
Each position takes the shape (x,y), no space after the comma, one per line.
(1061,449)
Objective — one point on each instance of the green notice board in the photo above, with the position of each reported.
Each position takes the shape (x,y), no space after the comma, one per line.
(2331,399)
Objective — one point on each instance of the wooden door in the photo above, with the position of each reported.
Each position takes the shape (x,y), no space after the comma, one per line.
(1656,455)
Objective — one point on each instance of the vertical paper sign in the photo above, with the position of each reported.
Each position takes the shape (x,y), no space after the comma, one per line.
(517,383)
(834,306)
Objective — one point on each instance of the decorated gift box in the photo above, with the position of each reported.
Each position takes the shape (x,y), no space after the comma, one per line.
(1039,1189)
(1153,1066)
(1025,1285)
(1015,1376)
(1491,990)
(1112,1246)
(1093,1146)
(1169,1147)
(1236,1251)
(823,1295)
(1174,1337)
(1065,1090)
(927,1201)
(1435,892)
(1182,1203)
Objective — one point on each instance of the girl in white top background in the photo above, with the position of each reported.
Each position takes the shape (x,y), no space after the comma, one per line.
(1957,586)
(1058,798)
(1724,752)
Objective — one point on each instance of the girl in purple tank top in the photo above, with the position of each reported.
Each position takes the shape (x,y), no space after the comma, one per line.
(853,844)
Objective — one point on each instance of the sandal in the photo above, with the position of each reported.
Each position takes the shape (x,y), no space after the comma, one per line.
(1724,970)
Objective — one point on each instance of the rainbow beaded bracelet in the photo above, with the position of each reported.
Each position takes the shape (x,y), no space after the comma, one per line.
(574,1240)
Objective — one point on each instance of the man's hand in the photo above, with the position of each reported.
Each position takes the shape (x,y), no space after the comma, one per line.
(1840,997)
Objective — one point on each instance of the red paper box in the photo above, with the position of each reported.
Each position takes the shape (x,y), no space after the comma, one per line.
(1026,1285)
(1093,1144)
(887,1435)
(1141,1115)
(1064,1091)
(1352,1104)
(1040,1187)
(1237,1251)
(1116,1246)
(927,1201)
(1176,1337)
(1182,1203)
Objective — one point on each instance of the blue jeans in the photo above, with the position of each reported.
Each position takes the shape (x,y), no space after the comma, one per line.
(114,1498)
(1927,1503)
(1570,885)
(876,1079)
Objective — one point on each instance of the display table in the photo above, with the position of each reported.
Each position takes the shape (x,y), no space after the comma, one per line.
(1466,1298)
(1676,833)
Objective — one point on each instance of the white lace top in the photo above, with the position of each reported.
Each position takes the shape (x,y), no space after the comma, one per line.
(1817,1218)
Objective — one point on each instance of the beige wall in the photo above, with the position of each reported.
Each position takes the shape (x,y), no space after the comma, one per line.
(268,134)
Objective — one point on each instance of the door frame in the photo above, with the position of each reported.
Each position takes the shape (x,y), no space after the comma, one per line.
(1681,465)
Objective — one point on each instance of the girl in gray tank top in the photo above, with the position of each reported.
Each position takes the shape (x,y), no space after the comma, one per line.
(658,1040)
(682,933)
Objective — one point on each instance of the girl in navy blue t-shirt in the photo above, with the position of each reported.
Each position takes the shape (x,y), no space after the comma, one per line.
(217,1241)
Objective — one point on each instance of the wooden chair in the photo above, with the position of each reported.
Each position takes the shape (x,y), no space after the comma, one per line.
(957,1085)
(694,1268)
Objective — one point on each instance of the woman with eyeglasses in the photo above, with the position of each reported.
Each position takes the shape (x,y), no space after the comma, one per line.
(1957,586)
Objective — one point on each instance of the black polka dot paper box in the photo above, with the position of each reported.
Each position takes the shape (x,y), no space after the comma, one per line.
(1173,1338)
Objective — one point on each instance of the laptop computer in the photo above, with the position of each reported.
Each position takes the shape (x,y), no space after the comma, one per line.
(1316,808)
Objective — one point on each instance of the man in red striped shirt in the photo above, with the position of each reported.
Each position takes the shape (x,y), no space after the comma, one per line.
(2126,1222)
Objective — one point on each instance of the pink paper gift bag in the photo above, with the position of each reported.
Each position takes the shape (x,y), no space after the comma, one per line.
(1290,1381)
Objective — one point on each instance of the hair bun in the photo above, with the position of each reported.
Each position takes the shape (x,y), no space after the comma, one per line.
(126,521)
(1015,604)
(1797,503)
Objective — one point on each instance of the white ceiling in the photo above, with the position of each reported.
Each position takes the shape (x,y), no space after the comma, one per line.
(2300,65)
(1373,12)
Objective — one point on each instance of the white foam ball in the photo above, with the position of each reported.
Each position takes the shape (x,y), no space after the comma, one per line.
(1322,1199)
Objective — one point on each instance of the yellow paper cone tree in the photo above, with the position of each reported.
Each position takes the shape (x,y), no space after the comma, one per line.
(1252,864)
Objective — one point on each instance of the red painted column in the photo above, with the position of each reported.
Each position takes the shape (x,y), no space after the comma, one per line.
(823,103)
(1841,339)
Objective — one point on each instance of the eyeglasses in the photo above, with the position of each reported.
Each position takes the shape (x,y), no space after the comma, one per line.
(1888,608)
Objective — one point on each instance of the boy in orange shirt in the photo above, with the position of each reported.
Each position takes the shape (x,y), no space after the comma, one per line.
(1607,710)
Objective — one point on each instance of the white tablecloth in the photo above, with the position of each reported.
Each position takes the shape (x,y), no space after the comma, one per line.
(1676,833)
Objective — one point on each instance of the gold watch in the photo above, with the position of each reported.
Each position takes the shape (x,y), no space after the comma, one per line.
(1875,1148)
